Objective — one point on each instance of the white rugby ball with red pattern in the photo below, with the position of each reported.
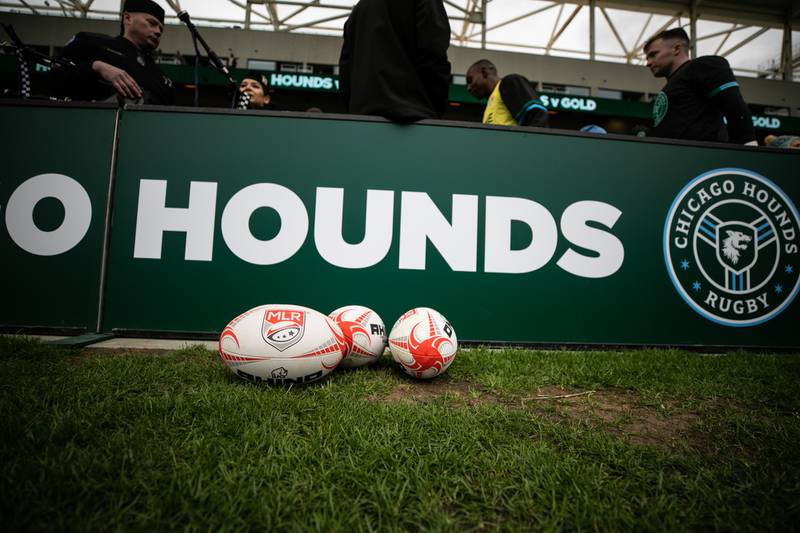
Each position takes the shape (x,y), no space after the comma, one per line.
(364,334)
(281,344)
(423,342)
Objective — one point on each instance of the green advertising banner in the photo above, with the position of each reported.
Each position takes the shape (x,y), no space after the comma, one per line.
(53,187)
(514,235)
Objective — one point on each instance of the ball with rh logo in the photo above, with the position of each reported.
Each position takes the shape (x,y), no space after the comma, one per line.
(364,334)
(423,342)
(281,344)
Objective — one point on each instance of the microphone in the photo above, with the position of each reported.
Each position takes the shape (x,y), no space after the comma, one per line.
(183,16)
(244,101)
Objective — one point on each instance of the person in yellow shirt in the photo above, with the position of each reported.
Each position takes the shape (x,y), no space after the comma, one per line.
(512,100)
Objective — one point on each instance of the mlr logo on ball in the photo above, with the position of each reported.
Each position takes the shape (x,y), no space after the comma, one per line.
(283,328)
(731,243)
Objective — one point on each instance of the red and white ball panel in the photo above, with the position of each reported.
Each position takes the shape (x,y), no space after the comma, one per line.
(364,333)
(281,343)
(423,342)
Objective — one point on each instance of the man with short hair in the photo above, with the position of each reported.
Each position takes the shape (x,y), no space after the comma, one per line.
(394,59)
(512,100)
(699,96)
(107,67)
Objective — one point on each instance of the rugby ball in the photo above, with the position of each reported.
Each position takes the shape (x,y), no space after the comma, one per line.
(364,334)
(281,344)
(423,342)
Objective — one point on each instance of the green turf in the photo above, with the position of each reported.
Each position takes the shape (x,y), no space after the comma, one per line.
(163,441)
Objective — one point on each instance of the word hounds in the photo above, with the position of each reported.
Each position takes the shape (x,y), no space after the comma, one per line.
(420,222)
(731,243)
(593,251)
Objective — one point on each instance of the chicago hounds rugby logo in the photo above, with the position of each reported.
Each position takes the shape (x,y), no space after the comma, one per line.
(731,242)
(660,108)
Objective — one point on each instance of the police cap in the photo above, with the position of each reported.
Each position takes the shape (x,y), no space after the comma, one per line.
(144,6)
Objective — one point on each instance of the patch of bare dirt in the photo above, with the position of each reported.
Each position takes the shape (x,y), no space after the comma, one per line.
(619,412)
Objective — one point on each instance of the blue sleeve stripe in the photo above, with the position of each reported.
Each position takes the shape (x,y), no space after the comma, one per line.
(534,104)
(722,88)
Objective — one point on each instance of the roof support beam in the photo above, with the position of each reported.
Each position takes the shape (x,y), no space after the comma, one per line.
(757,34)
(455,6)
(727,36)
(315,22)
(298,11)
(554,37)
(614,31)
(638,43)
(515,19)
(483,24)
(787,70)
(273,14)
(252,11)
(471,5)
(26,4)
(693,27)
(592,32)
(175,5)
(726,33)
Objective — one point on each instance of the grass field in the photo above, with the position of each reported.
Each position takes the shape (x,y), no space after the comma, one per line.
(507,440)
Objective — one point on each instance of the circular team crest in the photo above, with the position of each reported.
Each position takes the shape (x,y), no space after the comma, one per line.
(660,107)
(731,243)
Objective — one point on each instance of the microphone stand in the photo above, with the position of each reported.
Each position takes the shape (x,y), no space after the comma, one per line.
(183,16)
(24,54)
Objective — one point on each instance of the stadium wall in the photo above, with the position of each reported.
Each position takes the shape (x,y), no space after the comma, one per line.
(164,220)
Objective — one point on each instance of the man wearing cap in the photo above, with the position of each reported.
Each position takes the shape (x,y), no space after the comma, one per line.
(106,68)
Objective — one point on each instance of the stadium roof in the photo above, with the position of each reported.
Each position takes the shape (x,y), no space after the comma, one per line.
(749,33)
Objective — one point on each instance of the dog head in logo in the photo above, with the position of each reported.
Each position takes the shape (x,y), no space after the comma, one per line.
(736,249)
(283,328)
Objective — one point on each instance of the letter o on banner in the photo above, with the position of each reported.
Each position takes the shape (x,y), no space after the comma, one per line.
(236,224)
(77,214)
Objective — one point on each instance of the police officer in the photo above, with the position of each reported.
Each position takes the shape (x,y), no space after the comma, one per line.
(106,68)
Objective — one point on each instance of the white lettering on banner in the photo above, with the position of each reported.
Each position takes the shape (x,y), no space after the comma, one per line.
(377,229)
(611,253)
(303,81)
(770,123)
(565,102)
(153,218)
(421,220)
(498,255)
(77,214)
(236,224)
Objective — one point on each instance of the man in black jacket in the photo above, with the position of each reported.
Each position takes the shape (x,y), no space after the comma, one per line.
(700,94)
(105,66)
(394,59)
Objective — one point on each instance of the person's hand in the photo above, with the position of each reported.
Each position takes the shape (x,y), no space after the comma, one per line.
(122,82)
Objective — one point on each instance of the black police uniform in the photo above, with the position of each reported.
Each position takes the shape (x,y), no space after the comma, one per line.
(81,83)
(697,98)
(394,59)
